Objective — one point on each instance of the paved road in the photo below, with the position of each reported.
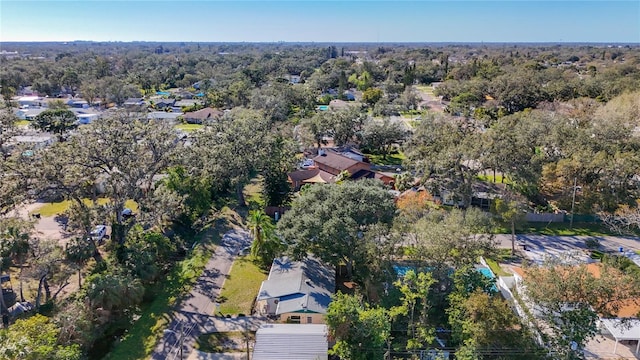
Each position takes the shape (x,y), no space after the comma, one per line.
(540,246)
(195,311)
(608,242)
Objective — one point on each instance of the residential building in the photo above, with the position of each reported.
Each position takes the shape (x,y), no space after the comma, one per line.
(330,163)
(134,103)
(78,104)
(31,101)
(625,326)
(297,291)
(29,113)
(293,79)
(291,342)
(161,104)
(203,115)
(164,116)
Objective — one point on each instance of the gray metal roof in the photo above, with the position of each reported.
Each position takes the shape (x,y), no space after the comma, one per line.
(623,329)
(291,342)
(300,286)
(162,115)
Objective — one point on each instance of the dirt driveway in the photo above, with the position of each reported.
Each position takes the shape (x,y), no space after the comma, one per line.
(45,227)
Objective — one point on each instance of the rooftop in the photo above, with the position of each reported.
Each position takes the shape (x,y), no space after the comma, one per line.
(301,286)
(334,160)
(203,114)
(291,342)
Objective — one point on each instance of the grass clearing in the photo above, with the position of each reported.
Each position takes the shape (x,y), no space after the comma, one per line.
(29,284)
(189,127)
(499,179)
(562,229)
(22,123)
(142,337)
(495,267)
(559,229)
(427,89)
(392,159)
(52,209)
(224,342)
(241,287)
(253,194)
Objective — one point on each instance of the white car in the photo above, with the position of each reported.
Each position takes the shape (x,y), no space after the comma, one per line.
(98,233)
(127,213)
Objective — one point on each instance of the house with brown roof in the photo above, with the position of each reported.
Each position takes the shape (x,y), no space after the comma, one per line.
(334,163)
(203,115)
(328,164)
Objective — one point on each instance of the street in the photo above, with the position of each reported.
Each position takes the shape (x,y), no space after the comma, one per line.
(195,312)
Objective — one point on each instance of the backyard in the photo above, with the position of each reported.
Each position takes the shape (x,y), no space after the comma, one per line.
(395,158)
(189,127)
(52,209)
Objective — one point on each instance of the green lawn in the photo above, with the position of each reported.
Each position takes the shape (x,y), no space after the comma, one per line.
(219,342)
(562,229)
(241,287)
(425,89)
(392,159)
(559,229)
(189,127)
(495,267)
(489,178)
(253,194)
(51,209)
(22,123)
(141,339)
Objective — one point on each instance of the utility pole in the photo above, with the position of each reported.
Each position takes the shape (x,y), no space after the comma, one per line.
(246,338)
(3,307)
(181,338)
(573,201)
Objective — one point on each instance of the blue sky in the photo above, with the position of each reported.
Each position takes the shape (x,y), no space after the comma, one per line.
(322,21)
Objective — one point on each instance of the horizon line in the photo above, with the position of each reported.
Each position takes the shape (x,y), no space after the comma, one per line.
(314,42)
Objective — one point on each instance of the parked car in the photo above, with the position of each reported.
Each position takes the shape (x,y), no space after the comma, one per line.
(127,213)
(98,233)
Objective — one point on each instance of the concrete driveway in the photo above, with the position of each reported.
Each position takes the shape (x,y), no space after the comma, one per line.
(194,315)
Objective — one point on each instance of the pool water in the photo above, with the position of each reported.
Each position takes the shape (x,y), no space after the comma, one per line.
(401,271)
(162,93)
(323,107)
(486,272)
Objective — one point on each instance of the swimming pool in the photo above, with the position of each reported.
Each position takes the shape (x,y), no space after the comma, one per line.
(401,271)
(486,272)
(163,93)
(323,107)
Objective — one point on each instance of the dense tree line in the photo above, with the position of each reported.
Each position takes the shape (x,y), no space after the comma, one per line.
(544,119)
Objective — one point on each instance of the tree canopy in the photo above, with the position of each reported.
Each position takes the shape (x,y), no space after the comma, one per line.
(332,222)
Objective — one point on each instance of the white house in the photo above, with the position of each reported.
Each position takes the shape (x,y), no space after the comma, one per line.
(297,291)
(31,101)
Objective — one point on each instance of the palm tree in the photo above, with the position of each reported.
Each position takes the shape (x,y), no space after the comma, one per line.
(261,228)
(266,245)
(17,234)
